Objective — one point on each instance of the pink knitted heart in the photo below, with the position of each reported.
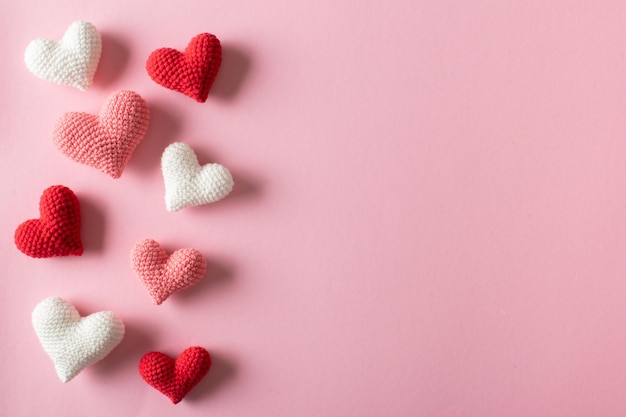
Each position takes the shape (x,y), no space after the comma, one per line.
(106,141)
(164,275)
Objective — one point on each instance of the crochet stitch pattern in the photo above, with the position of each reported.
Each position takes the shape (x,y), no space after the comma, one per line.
(191,72)
(74,342)
(175,378)
(106,141)
(71,61)
(57,231)
(189,184)
(164,275)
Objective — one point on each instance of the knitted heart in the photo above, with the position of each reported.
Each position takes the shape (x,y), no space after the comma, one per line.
(74,342)
(164,275)
(57,231)
(191,72)
(175,378)
(189,184)
(107,141)
(71,61)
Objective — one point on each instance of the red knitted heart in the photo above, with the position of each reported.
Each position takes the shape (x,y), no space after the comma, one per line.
(106,141)
(57,231)
(175,378)
(163,275)
(191,72)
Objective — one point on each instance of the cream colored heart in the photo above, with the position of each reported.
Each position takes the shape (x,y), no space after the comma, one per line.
(71,61)
(74,342)
(187,183)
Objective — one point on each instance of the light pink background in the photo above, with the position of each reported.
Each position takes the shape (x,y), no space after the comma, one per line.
(429,216)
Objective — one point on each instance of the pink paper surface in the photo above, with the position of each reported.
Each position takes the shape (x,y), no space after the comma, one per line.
(429,216)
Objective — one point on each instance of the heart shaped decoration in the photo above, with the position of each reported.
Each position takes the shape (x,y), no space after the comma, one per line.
(57,231)
(71,61)
(189,184)
(175,378)
(191,72)
(106,141)
(74,342)
(164,275)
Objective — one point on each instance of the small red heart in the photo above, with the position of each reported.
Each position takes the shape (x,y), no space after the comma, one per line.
(106,141)
(57,231)
(175,378)
(191,72)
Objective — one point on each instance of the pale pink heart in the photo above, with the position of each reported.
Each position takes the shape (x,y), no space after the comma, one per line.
(164,274)
(106,141)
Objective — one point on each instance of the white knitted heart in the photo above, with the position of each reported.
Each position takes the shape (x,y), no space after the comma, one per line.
(71,61)
(189,184)
(74,342)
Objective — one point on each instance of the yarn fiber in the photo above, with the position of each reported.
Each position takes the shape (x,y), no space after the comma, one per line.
(175,378)
(107,141)
(71,61)
(57,231)
(74,342)
(164,274)
(189,184)
(191,72)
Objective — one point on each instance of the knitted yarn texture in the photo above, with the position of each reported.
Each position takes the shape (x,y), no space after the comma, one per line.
(189,184)
(175,378)
(191,72)
(57,231)
(106,141)
(164,275)
(71,61)
(74,342)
